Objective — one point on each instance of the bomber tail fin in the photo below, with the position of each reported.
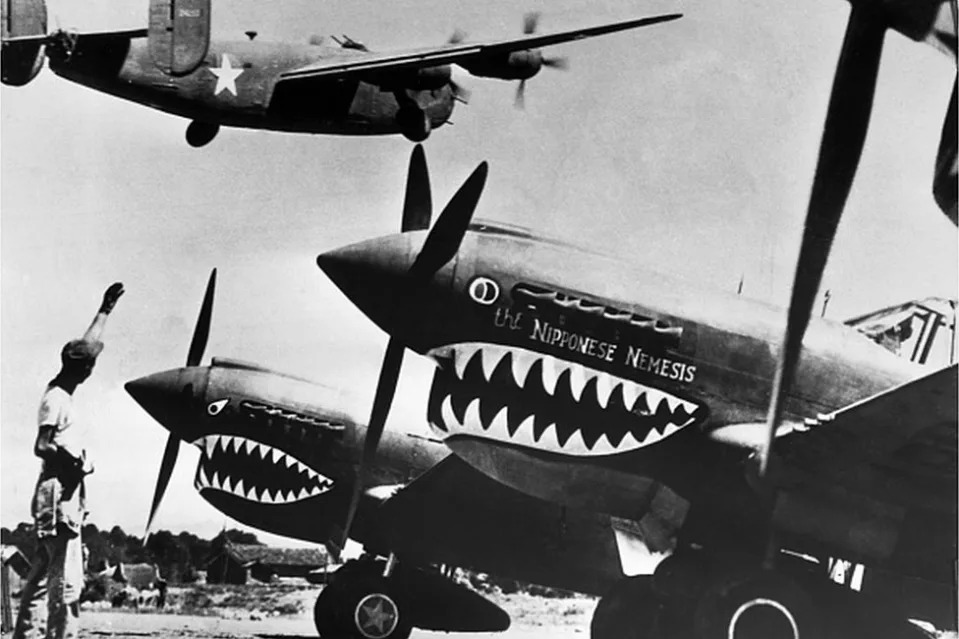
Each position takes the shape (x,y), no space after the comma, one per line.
(179,34)
(24,31)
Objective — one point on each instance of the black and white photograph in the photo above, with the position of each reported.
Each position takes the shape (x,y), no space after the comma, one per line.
(390,319)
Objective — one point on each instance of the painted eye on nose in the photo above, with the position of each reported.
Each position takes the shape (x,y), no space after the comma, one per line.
(484,291)
(216,407)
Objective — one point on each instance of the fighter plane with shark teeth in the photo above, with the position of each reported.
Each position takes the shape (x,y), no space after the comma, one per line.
(284,455)
(583,380)
(173,65)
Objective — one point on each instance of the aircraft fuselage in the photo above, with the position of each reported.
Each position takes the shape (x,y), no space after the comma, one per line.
(280,453)
(236,85)
(581,379)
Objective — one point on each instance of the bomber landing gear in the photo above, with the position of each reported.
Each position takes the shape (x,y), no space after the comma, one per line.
(414,122)
(201,133)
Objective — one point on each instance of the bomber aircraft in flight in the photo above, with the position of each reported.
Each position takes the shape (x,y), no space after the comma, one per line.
(347,89)
(579,379)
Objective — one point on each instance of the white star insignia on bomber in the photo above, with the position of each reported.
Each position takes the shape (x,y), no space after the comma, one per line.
(226,76)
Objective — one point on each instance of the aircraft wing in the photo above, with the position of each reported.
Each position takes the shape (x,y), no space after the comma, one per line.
(456,53)
(509,533)
(43,38)
(874,429)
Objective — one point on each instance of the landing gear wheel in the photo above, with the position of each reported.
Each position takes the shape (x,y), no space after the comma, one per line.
(629,610)
(760,605)
(201,133)
(361,605)
(375,610)
(414,123)
(324,613)
(377,616)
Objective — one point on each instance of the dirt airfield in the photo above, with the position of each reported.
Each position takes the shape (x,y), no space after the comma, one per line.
(532,618)
(122,625)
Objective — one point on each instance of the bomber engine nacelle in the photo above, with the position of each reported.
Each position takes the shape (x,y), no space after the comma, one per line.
(24,31)
(425,79)
(517,65)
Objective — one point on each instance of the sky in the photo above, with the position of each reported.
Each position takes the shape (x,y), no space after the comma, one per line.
(688,148)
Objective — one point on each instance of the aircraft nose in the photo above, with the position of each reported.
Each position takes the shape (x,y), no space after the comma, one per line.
(170,397)
(372,274)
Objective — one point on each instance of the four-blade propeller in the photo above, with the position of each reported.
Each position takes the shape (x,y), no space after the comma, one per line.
(195,355)
(440,246)
(530,23)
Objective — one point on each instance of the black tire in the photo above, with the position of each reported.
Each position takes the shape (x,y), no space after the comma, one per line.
(414,123)
(630,610)
(758,605)
(324,613)
(682,575)
(201,133)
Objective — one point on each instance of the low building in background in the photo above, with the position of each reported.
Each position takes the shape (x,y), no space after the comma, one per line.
(237,563)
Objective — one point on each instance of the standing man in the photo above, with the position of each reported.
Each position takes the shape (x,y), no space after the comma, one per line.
(58,501)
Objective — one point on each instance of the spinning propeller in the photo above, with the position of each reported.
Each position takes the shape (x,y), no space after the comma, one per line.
(530,23)
(441,245)
(200,335)
(844,134)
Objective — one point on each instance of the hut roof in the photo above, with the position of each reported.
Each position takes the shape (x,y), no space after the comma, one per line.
(249,554)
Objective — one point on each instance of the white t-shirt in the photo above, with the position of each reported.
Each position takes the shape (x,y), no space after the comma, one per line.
(56,410)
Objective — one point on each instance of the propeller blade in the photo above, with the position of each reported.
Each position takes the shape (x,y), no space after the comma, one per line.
(558,63)
(202,331)
(520,100)
(530,22)
(418,206)
(844,135)
(447,234)
(385,389)
(163,478)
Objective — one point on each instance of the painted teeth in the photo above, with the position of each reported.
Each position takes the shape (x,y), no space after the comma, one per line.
(242,487)
(604,388)
(630,394)
(577,380)
(522,362)
(639,399)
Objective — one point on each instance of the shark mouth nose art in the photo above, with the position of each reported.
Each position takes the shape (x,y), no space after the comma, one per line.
(255,471)
(521,397)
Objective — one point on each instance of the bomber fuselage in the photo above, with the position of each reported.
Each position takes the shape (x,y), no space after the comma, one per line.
(236,85)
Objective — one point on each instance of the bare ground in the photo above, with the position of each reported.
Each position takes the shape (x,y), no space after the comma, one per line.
(123,625)
(222,614)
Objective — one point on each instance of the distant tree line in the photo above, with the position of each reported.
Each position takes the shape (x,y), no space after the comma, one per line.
(179,556)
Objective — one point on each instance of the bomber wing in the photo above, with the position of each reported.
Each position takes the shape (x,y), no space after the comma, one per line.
(455,53)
